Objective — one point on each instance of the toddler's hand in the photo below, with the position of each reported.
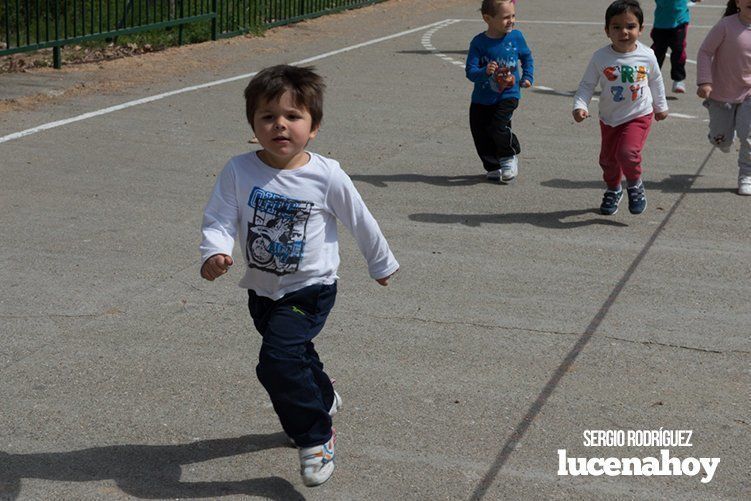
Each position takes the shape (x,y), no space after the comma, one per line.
(580,114)
(492,66)
(526,84)
(385,280)
(216,266)
(661,115)
(704,91)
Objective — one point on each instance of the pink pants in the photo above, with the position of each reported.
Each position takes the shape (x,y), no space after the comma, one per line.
(620,153)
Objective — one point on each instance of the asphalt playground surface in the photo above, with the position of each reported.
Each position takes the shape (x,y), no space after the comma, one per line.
(520,317)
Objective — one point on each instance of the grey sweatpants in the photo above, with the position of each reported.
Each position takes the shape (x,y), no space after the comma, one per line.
(727,120)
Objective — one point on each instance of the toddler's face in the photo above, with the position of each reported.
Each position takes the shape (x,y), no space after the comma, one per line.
(503,21)
(283,128)
(624,30)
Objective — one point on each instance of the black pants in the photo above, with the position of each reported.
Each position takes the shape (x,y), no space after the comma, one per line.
(288,365)
(675,40)
(491,131)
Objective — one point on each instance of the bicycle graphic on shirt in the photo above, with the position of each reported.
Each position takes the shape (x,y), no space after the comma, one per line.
(276,233)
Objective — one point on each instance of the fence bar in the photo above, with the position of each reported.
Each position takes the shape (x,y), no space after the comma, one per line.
(27,26)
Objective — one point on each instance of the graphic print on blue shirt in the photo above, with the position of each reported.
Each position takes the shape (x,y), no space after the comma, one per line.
(276,232)
(505,76)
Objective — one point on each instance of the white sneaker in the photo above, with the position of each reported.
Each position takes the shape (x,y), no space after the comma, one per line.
(493,175)
(336,405)
(317,463)
(679,87)
(744,185)
(509,169)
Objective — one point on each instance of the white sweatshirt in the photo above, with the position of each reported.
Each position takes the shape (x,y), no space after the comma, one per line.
(286,223)
(631,85)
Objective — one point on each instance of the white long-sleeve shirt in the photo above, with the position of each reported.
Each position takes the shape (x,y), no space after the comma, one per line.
(286,223)
(631,85)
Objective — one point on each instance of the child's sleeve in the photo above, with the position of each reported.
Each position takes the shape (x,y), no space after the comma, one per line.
(472,69)
(657,86)
(347,205)
(706,53)
(587,87)
(220,218)
(528,62)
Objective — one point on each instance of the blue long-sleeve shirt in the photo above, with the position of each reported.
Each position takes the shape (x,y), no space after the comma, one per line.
(507,52)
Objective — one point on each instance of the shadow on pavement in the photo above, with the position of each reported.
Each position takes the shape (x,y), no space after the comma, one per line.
(380,181)
(675,183)
(554,220)
(458,52)
(148,471)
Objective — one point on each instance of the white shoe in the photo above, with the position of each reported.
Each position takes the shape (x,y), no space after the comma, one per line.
(493,175)
(510,169)
(679,87)
(317,463)
(744,185)
(336,405)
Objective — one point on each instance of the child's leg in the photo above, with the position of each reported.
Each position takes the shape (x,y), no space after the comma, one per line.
(289,367)
(721,123)
(743,130)
(506,142)
(678,53)
(660,43)
(611,171)
(480,118)
(633,135)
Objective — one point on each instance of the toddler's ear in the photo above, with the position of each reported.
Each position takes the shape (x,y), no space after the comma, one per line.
(314,131)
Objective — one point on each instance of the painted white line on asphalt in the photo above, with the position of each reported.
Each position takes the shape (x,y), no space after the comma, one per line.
(149,99)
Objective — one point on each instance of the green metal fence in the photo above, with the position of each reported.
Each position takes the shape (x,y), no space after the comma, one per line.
(29,25)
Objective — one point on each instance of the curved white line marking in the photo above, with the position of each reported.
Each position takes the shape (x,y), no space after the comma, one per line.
(130,104)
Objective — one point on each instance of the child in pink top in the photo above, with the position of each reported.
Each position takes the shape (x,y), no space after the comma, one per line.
(724,79)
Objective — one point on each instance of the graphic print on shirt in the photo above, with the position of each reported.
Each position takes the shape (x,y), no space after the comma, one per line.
(631,76)
(503,78)
(276,232)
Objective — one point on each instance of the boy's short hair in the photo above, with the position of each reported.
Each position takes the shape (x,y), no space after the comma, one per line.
(490,7)
(622,6)
(303,83)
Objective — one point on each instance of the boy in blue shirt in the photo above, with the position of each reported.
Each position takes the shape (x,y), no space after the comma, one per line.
(493,66)
(669,32)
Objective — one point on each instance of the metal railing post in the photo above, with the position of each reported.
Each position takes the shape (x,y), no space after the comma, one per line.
(214,20)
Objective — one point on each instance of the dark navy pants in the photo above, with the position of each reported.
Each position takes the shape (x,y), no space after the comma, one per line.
(490,125)
(288,365)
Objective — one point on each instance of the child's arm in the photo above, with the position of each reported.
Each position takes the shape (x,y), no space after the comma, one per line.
(347,205)
(706,53)
(585,91)
(528,62)
(657,88)
(219,229)
(472,69)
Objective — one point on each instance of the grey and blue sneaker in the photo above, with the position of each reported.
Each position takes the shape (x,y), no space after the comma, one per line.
(637,200)
(610,202)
